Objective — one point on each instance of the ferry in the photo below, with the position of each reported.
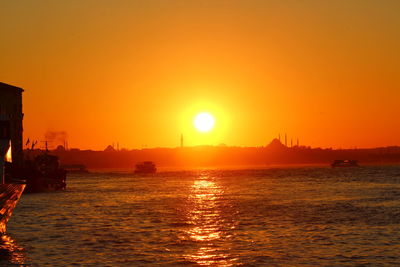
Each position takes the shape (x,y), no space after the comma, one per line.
(344,163)
(145,167)
(75,168)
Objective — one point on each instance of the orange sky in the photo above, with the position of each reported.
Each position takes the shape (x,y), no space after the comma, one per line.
(137,72)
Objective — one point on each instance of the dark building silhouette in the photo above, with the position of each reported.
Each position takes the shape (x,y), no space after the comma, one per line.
(109,148)
(11,106)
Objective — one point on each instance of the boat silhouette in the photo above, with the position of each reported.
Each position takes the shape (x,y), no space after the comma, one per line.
(145,167)
(344,163)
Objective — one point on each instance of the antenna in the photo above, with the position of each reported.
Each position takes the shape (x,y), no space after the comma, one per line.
(46,145)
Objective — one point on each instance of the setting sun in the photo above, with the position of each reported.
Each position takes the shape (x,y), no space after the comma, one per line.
(204,122)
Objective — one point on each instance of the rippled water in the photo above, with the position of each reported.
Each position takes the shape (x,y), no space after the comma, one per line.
(270,217)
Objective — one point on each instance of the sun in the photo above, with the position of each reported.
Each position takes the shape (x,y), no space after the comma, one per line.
(204,122)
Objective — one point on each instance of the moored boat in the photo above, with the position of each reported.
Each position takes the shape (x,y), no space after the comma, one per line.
(43,174)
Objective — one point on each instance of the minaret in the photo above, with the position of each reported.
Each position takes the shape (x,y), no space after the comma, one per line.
(181,140)
(285,139)
(291,142)
(279,137)
(297,141)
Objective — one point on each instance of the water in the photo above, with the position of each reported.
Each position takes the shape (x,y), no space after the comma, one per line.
(271,217)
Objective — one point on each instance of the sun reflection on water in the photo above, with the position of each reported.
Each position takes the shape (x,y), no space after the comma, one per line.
(210,225)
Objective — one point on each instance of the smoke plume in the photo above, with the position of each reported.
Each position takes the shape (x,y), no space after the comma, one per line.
(56,138)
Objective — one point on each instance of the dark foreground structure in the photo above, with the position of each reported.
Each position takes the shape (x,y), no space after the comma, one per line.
(9,197)
(11,191)
(42,172)
(11,107)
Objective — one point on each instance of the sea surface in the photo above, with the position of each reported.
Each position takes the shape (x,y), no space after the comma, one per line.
(308,216)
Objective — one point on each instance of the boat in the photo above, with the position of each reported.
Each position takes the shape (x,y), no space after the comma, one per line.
(344,163)
(145,167)
(75,168)
(11,191)
(44,174)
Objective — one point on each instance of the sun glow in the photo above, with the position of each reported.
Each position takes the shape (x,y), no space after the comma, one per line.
(210,129)
(204,122)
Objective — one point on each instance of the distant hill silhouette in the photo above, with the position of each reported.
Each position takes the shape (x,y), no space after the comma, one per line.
(208,156)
